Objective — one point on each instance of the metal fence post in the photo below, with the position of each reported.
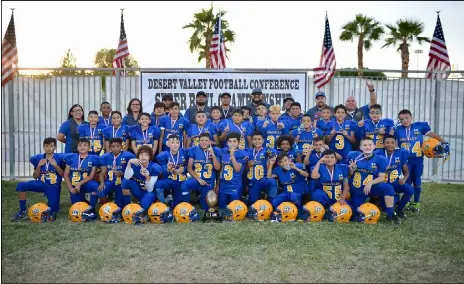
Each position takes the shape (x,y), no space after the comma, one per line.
(332,93)
(436,127)
(11,108)
(118,86)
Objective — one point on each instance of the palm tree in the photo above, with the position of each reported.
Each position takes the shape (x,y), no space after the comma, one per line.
(203,28)
(366,30)
(404,32)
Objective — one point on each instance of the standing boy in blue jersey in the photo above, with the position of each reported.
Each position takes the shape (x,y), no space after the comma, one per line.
(333,179)
(159,110)
(93,132)
(233,161)
(173,124)
(105,118)
(375,127)
(367,179)
(80,172)
(305,135)
(140,177)
(112,167)
(397,166)
(340,133)
(410,136)
(116,130)
(143,134)
(203,165)
(258,160)
(273,128)
(201,126)
(236,125)
(174,165)
(288,174)
(48,172)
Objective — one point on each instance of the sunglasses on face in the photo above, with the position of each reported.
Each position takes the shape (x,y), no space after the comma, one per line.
(375,112)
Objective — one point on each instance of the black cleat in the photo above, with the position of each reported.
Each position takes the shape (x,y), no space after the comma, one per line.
(20,215)
(401,214)
(393,219)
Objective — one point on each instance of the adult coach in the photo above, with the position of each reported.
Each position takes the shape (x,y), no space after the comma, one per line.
(315,112)
(68,130)
(200,104)
(257,97)
(134,110)
(358,114)
(226,109)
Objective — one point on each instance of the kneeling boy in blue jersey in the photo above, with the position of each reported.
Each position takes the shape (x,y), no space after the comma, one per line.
(233,161)
(112,168)
(80,172)
(288,174)
(48,172)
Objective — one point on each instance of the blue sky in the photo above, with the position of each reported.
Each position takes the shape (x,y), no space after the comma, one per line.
(269,35)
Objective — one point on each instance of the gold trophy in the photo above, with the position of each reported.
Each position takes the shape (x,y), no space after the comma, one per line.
(212,213)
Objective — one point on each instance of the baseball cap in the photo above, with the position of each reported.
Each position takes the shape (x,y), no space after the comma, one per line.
(257,91)
(289,99)
(201,93)
(225,94)
(318,94)
(167,97)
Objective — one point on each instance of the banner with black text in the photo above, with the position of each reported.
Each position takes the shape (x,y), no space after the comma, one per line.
(184,86)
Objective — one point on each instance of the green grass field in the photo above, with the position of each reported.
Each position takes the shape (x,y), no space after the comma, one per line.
(427,247)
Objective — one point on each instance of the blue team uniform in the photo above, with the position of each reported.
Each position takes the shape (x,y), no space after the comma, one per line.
(272,132)
(230,184)
(314,157)
(245,129)
(144,137)
(293,190)
(371,130)
(292,154)
(294,123)
(396,161)
(257,175)
(95,136)
(259,120)
(170,126)
(194,132)
(204,168)
(306,137)
(340,143)
(173,182)
(156,120)
(49,182)
(79,170)
(112,181)
(331,186)
(367,170)
(119,132)
(324,125)
(137,187)
(411,139)
(105,122)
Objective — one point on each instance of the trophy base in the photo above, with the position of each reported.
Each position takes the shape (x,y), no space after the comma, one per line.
(212,216)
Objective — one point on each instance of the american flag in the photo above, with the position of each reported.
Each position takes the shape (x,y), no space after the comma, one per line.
(438,54)
(217,50)
(326,69)
(9,53)
(123,49)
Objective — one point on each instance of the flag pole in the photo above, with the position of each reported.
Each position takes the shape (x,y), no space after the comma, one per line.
(124,61)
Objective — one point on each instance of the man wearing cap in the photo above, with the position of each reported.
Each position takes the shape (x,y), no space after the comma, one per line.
(200,104)
(226,109)
(315,112)
(257,96)
(358,114)
(287,106)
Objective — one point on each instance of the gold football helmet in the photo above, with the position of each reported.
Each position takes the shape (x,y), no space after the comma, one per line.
(133,213)
(260,210)
(184,212)
(368,213)
(341,213)
(110,213)
(81,212)
(235,211)
(39,213)
(159,213)
(313,211)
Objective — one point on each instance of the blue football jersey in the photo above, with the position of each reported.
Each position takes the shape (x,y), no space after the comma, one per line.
(80,168)
(116,132)
(272,132)
(332,181)
(306,137)
(291,154)
(371,130)
(156,120)
(179,159)
(48,173)
(323,125)
(294,123)
(144,137)
(339,143)
(411,138)
(395,163)
(288,179)
(245,129)
(105,122)
(260,158)
(170,126)
(153,168)
(203,163)
(115,163)
(194,132)
(95,136)
(231,181)
(367,169)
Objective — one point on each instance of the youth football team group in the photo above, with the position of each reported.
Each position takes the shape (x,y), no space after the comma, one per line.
(329,160)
